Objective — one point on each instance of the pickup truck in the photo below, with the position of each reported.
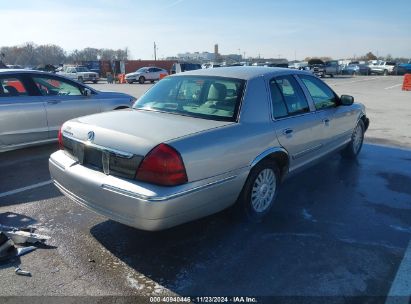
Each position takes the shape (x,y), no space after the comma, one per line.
(382,68)
(79,73)
(332,68)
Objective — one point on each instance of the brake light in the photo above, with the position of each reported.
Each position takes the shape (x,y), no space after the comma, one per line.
(60,139)
(162,166)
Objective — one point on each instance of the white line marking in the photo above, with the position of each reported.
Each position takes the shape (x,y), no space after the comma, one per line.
(396,85)
(354,81)
(15,191)
(400,291)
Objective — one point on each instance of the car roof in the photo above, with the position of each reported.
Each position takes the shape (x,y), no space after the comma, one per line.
(242,72)
(15,71)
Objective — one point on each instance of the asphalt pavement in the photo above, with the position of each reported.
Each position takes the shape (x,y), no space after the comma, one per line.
(339,229)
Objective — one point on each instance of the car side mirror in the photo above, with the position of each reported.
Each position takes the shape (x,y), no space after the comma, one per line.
(346,100)
(86,92)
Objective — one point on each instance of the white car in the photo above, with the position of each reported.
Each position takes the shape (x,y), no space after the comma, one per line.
(79,73)
(382,67)
(147,73)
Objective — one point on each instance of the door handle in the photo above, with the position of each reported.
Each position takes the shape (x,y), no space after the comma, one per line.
(53,101)
(288,131)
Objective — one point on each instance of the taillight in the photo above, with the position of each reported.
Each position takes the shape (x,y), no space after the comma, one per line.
(162,166)
(60,139)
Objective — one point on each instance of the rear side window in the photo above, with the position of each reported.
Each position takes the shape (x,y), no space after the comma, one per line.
(287,97)
(12,87)
(321,94)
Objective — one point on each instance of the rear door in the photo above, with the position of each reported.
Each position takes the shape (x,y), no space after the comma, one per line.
(154,73)
(22,115)
(64,100)
(298,128)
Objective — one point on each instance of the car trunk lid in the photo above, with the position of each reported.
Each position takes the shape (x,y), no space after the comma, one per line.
(116,142)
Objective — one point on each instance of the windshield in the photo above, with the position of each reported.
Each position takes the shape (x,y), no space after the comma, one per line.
(214,98)
(141,70)
(82,69)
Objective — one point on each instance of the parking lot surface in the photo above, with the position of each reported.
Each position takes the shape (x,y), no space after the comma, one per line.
(340,228)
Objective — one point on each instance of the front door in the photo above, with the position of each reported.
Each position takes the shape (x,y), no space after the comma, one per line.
(338,120)
(64,100)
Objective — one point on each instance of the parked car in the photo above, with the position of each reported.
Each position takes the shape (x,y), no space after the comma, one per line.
(332,68)
(79,73)
(211,65)
(34,104)
(402,69)
(184,66)
(382,68)
(145,74)
(199,142)
(356,69)
(317,67)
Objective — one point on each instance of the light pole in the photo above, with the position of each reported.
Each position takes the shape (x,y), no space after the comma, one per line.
(155,51)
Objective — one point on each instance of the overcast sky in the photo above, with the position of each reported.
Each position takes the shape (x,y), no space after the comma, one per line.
(272,28)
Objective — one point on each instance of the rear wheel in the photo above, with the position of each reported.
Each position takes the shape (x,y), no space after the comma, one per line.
(385,73)
(130,81)
(260,191)
(141,79)
(95,81)
(80,79)
(355,145)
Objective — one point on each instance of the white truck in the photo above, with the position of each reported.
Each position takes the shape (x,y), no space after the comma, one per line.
(79,73)
(382,67)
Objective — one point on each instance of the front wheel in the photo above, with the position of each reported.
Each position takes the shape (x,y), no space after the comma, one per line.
(141,80)
(260,191)
(385,73)
(357,139)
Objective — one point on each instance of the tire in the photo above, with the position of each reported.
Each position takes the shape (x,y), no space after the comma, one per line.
(95,81)
(80,79)
(130,81)
(332,75)
(357,138)
(141,80)
(152,81)
(259,192)
(385,73)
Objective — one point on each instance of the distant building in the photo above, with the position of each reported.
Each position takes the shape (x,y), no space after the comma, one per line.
(196,56)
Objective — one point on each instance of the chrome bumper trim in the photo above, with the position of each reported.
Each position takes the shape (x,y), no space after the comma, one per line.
(98,147)
(167,197)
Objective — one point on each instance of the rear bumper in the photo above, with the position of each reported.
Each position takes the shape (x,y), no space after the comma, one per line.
(140,205)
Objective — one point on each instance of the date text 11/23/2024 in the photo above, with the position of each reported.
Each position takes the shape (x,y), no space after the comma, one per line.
(171,299)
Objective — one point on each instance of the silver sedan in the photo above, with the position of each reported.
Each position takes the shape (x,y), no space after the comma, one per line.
(33,106)
(201,141)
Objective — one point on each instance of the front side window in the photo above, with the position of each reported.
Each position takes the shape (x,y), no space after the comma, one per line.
(214,98)
(321,94)
(53,86)
(12,87)
(287,97)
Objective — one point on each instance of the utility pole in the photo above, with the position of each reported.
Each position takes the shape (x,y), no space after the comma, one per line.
(155,51)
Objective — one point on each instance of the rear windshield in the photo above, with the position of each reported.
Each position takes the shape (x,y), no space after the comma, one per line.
(214,98)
